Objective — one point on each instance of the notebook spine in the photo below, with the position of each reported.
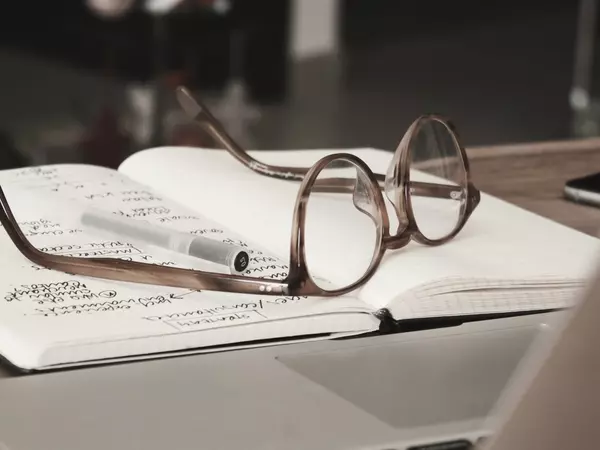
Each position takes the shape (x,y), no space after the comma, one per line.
(387,323)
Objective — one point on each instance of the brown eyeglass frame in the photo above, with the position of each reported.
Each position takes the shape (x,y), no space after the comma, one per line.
(298,282)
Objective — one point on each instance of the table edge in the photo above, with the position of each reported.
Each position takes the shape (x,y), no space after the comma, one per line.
(534,148)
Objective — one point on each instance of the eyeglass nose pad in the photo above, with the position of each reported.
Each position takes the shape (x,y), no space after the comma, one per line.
(394,193)
(362,196)
(391,186)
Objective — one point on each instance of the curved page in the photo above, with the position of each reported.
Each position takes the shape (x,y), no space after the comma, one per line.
(50,318)
(505,259)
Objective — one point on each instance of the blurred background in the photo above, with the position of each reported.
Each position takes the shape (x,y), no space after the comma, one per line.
(92,80)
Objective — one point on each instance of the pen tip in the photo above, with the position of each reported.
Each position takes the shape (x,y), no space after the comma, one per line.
(187,102)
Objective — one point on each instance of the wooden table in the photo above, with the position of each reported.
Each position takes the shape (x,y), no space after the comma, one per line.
(533,176)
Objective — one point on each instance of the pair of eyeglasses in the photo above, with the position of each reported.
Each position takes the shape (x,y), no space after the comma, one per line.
(340,204)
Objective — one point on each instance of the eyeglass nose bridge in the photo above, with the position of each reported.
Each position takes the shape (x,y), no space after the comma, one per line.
(395,242)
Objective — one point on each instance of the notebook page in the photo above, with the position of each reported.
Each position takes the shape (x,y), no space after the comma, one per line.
(491,300)
(503,249)
(501,245)
(262,207)
(45,309)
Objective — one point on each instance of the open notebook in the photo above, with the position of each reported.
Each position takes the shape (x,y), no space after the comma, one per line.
(505,260)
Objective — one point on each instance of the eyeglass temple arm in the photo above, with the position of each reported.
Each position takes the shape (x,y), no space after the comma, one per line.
(201,115)
(137,272)
(418,188)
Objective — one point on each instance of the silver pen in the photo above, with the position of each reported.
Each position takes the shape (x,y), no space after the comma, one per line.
(232,256)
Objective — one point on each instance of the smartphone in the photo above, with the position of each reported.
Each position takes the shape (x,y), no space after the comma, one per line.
(584,189)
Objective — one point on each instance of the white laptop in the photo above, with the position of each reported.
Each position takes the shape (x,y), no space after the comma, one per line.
(554,401)
(431,389)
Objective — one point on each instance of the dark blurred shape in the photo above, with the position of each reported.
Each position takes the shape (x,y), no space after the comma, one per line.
(10,157)
(196,40)
(364,23)
(105,143)
(265,25)
(110,9)
(191,135)
(584,97)
(501,70)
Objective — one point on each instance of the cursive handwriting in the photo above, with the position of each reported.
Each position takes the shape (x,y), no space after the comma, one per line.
(99,195)
(133,196)
(45,227)
(104,306)
(209,322)
(206,311)
(55,292)
(285,300)
(203,231)
(175,218)
(93,249)
(144,212)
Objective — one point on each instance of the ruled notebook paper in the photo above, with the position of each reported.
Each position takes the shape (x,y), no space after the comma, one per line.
(505,259)
(495,297)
